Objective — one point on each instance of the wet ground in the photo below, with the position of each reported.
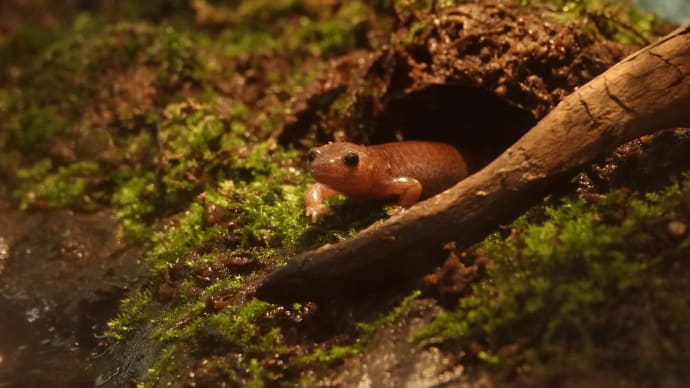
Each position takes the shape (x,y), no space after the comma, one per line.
(61,277)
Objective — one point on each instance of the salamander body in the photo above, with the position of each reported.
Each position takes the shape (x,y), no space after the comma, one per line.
(410,170)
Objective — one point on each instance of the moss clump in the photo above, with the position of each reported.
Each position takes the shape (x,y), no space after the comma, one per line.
(110,96)
(289,26)
(64,187)
(78,58)
(87,104)
(203,258)
(132,311)
(583,287)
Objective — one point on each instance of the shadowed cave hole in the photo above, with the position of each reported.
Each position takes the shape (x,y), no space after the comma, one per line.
(481,124)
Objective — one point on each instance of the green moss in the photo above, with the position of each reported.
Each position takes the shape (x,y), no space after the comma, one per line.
(71,91)
(65,112)
(131,312)
(262,199)
(245,329)
(562,278)
(240,326)
(136,118)
(43,186)
(176,158)
(76,62)
(35,126)
(296,27)
(164,365)
(329,356)
(180,235)
(28,41)
(249,329)
(133,200)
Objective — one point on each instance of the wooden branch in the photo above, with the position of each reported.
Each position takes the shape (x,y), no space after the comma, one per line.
(645,92)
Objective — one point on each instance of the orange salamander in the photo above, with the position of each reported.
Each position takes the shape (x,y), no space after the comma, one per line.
(410,170)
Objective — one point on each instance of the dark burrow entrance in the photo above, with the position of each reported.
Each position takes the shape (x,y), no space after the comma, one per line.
(477,122)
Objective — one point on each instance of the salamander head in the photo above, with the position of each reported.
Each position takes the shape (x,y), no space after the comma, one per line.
(345,167)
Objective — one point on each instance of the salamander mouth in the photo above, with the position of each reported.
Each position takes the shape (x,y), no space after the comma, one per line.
(325,176)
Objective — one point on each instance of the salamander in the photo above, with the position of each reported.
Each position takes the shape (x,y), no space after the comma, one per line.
(408,170)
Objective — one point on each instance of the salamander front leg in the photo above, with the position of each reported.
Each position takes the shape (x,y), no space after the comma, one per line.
(314,198)
(407,189)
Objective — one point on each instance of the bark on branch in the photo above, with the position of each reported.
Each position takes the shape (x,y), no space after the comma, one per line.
(648,91)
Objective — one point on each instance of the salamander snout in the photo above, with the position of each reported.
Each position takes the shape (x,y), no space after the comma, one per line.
(343,166)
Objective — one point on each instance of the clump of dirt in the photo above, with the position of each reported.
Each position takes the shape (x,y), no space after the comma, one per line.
(644,164)
(524,56)
(454,278)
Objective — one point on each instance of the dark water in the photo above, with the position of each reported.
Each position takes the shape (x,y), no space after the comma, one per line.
(61,277)
(37,351)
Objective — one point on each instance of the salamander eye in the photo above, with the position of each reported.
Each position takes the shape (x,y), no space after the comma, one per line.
(312,155)
(351,159)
